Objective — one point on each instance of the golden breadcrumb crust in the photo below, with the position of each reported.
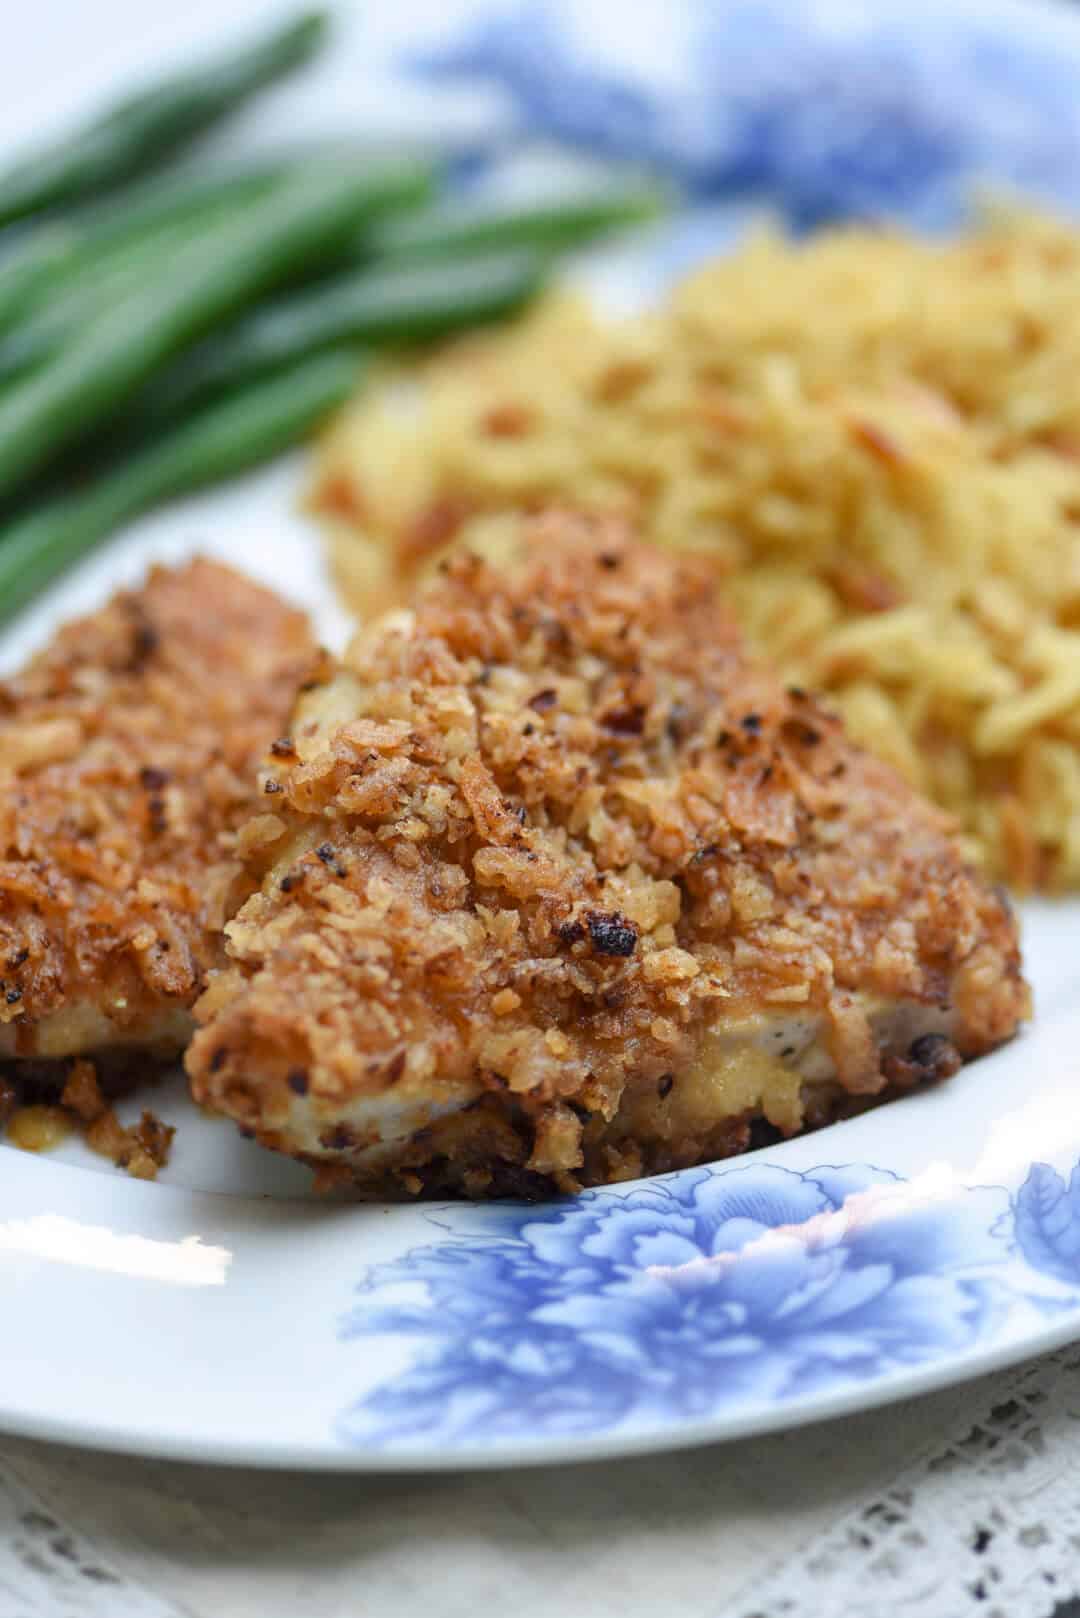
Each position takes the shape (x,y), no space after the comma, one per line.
(128,751)
(566,829)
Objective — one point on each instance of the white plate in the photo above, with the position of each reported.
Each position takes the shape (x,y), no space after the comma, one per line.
(225,1314)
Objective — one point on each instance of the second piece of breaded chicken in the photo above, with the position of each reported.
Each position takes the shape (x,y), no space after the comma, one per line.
(128,757)
(557,888)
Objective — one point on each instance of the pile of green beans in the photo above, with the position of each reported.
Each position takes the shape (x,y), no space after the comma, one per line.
(115,274)
(194,289)
(184,329)
(391,304)
(58,255)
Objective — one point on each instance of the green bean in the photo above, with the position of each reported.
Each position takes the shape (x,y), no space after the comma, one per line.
(65,252)
(132,219)
(26,274)
(112,276)
(448,229)
(201,284)
(410,303)
(137,132)
(234,434)
(78,299)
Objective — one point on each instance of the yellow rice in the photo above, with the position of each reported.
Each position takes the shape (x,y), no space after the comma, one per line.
(876,437)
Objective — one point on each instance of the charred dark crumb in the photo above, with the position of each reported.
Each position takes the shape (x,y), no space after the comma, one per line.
(396,1066)
(936,1055)
(157,811)
(571,932)
(766,775)
(290,881)
(544,699)
(840,768)
(797,693)
(13,996)
(514,1180)
(522,814)
(678,715)
(665,1085)
(700,855)
(20,958)
(246,1131)
(762,1134)
(283,747)
(611,933)
(145,641)
(484,677)
(327,853)
(930,1059)
(530,730)
(609,560)
(555,630)
(273,786)
(337,1139)
(787,1052)
(723,738)
(218,1060)
(751,723)
(153,779)
(625,721)
(297,1080)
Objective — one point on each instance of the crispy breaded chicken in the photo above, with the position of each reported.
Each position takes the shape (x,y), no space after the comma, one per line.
(128,758)
(558,888)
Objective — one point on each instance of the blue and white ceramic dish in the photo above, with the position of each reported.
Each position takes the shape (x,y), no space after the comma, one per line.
(225,1314)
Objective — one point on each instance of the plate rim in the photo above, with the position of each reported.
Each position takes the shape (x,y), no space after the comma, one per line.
(325,1453)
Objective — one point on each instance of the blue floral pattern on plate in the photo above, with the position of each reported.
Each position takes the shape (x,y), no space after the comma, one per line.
(705,1291)
(832,111)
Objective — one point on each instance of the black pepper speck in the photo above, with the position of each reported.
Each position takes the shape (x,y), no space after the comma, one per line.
(610,933)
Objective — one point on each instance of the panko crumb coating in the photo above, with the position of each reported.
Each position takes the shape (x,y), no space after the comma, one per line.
(558,888)
(129,750)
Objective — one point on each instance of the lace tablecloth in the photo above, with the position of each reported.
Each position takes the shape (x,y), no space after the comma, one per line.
(965,1502)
